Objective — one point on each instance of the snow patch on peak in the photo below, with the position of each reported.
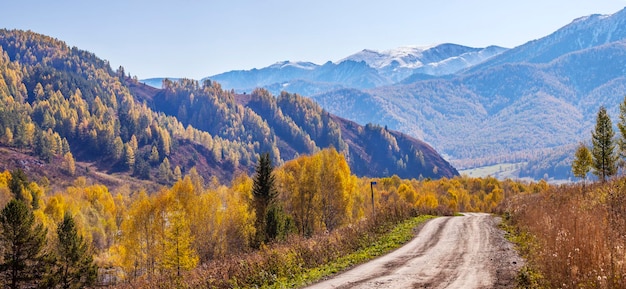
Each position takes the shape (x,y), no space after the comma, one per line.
(441,59)
(297,64)
(404,56)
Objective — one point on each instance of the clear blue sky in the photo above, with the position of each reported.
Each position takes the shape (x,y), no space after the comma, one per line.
(194,38)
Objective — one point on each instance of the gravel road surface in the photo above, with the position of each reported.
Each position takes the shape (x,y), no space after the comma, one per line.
(448,252)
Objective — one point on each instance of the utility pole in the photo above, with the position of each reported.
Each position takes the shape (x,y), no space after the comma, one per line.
(373,209)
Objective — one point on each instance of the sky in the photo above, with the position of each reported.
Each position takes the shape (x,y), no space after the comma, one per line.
(196,39)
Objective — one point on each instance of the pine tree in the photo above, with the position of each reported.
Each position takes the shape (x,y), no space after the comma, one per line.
(264,193)
(129,153)
(74,267)
(18,184)
(22,242)
(582,161)
(65,146)
(43,146)
(154,155)
(117,149)
(603,147)
(178,174)
(165,171)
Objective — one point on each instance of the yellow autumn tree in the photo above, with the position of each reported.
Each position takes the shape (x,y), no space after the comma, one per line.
(138,240)
(69,165)
(178,254)
(5,192)
(337,187)
(239,226)
(299,188)
(408,193)
(318,191)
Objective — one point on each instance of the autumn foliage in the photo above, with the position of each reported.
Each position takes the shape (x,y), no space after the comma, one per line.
(576,233)
(198,227)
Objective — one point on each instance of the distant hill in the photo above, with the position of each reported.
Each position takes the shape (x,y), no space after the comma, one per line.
(60,103)
(290,125)
(539,97)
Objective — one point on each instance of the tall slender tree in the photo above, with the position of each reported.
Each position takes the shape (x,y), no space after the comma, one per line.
(74,267)
(604,159)
(264,193)
(178,253)
(22,242)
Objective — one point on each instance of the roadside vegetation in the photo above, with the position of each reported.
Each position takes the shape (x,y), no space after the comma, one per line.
(573,235)
(282,226)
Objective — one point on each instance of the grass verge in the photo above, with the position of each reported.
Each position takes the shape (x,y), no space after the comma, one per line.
(389,241)
(525,243)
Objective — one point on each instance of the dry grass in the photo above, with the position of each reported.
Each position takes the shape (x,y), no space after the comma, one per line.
(579,233)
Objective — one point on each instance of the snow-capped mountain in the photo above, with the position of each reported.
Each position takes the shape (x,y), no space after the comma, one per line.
(535,100)
(297,64)
(399,63)
(406,56)
(280,72)
(362,70)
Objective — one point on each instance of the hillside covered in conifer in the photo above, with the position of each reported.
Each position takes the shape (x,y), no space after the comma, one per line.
(65,105)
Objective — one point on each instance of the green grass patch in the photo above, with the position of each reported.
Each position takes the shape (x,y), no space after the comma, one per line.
(393,239)
(525,243)
(500,171)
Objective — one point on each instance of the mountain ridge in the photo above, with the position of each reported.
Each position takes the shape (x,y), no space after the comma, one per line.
(357,70)
(583,32)
(548,104)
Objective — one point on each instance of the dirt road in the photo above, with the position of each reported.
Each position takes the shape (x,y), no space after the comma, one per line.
(449,252)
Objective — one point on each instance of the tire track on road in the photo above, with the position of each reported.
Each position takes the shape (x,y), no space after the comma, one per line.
(448,252)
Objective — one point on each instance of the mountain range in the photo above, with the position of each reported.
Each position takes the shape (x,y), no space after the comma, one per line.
(477,106)
(362,70)
(60,103)
(540,96)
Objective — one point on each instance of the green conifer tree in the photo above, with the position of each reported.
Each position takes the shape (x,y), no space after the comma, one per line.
(22,242)
(74,267)
(18,184)
(604,159)
(264,193)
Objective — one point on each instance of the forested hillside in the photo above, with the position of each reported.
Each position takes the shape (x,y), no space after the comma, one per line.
(64,104)
(511,112)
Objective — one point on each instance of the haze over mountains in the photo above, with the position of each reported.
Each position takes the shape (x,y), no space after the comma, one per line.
(362,70)
(478,106)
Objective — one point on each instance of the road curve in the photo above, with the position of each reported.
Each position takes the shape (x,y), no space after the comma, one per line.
(448,252)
